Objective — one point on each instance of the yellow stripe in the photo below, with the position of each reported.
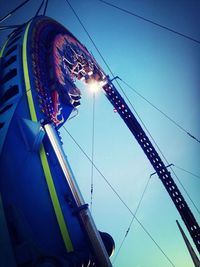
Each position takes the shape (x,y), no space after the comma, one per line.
(4,46)
(26,77)
(44,161)
(2,50)
(55,201)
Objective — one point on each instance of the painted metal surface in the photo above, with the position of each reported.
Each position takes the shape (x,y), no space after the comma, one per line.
(40,208)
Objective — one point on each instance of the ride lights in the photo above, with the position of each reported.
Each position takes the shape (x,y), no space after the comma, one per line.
(94,85)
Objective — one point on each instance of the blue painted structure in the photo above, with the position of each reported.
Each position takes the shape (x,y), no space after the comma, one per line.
(40,211)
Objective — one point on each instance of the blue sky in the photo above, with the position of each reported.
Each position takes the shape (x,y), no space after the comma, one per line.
(164,68)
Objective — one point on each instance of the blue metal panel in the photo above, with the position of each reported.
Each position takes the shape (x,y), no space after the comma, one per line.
(7,258)
(22,183)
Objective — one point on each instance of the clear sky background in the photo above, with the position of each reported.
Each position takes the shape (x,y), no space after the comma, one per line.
(164,68)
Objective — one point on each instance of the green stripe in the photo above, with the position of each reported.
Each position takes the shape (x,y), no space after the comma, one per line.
(44,161)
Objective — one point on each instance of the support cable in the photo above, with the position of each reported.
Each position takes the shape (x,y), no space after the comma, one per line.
(92,155)
(75,110)
(119,197)
(45,8)
(189,172)
(13,11)
(132,220)
(91,39)
(38,11)
(8,27)
(151,21)
(159,110)
(97,169)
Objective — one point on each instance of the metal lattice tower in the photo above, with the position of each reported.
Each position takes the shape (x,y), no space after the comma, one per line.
(134,126)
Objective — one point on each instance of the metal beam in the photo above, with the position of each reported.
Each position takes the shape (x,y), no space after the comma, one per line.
(97,244)
(165,176)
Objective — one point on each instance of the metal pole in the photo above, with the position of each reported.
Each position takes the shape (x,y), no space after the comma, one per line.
(97,244)
(189,247)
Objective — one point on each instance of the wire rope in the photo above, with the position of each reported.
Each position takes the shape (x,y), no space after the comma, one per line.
(159,110)
(92,154)
(45,8)
(13,11)
(189,172)
(151,21)
(40,7)
(9,27)
(132,220)
(89,36)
